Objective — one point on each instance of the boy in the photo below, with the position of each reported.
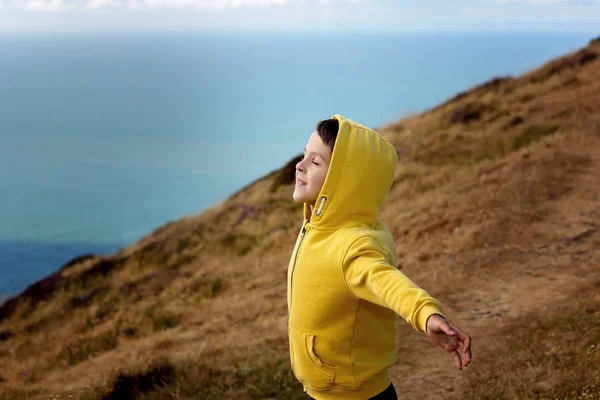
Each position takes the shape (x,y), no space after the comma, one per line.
(343,288)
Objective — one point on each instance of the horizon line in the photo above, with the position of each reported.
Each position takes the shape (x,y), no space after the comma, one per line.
(331,30)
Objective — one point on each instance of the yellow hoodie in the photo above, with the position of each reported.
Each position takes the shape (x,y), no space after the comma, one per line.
(344,290)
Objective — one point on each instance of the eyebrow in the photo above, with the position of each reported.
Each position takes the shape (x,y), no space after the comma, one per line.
(314,152)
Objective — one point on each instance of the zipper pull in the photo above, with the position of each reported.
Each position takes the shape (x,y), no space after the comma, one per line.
(303,231)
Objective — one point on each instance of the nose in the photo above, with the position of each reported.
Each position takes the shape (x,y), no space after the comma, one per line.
(299,167)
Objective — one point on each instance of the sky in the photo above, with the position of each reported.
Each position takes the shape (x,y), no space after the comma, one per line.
(317,15)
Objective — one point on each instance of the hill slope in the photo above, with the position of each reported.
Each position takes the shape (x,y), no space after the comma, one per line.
(495,210)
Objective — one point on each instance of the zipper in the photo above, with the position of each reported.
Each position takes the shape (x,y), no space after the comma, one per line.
(294,268)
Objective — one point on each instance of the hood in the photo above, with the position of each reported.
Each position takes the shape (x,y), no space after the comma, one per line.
(360,175)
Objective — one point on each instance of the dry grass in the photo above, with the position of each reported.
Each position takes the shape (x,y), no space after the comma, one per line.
(549,356)
(494,209)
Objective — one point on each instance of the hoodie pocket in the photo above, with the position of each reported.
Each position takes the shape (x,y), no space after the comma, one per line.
(306,365)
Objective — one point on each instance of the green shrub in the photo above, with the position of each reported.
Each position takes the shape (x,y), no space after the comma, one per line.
(161,319)
(208,288)
(531,135)
(84,348)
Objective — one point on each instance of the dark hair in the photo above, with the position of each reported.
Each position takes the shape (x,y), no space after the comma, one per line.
(328,130)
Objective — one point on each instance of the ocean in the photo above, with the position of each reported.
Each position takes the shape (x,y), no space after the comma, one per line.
(104,137)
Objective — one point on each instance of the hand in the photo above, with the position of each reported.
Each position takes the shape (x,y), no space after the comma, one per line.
(450,338)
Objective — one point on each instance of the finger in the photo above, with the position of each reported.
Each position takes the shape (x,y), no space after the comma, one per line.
(460,333)
(445,327)
(451,343)
(466,351)
(464,343)
(457,359)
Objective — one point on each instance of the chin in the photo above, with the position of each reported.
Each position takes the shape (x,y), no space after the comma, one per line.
(297,199)
(300,199)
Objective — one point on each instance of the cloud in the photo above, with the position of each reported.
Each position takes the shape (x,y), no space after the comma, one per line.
(239,3)
(341,1)
(539,12)
(214,4)
(304,14)
(44,5)
(94,5)
(532,2)
(134,5)
(98,4)
(170,3)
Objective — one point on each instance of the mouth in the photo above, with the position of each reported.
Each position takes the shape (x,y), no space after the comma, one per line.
(300,182)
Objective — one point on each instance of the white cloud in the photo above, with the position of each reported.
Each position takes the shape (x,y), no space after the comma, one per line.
(169,3)
(215,4)
(210,4)
(98,4)
(44,5)
(540,13)
(341,1)
(320,14)
(134,5)
(62,5)
(239,3)
(533,2)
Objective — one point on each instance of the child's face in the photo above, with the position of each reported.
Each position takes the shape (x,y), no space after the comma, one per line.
(312,170)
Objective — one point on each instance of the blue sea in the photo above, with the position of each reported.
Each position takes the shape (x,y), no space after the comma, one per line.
(104,137)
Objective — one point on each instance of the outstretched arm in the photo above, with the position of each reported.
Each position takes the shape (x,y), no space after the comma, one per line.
(450,338)
(370,276)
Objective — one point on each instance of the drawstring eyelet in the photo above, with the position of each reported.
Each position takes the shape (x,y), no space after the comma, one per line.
(320,209)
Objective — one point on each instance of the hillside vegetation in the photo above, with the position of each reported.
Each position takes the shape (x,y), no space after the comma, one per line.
(495,210)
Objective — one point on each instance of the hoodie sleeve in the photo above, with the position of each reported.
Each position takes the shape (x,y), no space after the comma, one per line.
(369,276)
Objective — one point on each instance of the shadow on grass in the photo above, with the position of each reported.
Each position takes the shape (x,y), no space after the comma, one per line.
(264,379)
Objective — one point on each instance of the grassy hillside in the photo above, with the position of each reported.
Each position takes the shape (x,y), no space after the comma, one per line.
(495,210)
